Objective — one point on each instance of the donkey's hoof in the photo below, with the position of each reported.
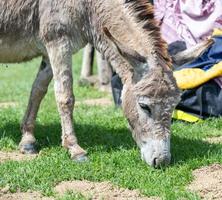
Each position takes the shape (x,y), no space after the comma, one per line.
(28,148)
(81,158)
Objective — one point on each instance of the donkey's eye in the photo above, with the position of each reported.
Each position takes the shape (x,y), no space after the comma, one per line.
(144,142)
(145,107)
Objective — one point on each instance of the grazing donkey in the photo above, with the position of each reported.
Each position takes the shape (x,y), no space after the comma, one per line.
(125,32)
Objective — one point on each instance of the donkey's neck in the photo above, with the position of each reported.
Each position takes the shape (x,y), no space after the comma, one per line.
(153,47)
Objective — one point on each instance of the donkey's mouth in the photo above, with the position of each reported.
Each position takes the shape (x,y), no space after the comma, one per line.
(156,153)
(161,161)
(158,162)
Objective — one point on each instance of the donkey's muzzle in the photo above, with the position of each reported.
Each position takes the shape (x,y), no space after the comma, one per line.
(161,161)
(156,153)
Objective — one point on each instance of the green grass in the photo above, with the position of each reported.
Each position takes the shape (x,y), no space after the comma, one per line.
(72,196)
(102,132)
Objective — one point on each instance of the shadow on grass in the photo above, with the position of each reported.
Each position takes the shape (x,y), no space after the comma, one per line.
(106,139)
(89,136)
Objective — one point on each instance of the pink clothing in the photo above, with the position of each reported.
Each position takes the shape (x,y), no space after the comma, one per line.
(188,20)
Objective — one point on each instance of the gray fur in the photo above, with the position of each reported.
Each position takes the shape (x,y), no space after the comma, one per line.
(55,29)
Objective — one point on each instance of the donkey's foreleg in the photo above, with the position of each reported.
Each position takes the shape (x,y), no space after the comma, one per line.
(39,89)
(60,56)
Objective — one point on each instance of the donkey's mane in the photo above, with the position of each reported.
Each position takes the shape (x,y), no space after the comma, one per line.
(144,13)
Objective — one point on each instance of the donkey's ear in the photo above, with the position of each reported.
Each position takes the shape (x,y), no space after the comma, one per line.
(129,54)
(192,53)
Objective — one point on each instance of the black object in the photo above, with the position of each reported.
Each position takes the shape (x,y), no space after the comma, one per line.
(117,87)
(151,1)
(204,101)
(176,47)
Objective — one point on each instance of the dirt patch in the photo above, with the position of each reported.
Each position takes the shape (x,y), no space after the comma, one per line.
(23,196)
(97,191)
(16,156)
(96,102)
(208,182)
(214,140)
(8,104)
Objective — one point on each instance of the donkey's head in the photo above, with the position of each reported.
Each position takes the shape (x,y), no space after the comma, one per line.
(148,105)
(149,96)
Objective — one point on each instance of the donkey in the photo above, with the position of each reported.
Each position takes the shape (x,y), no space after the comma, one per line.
(125,32)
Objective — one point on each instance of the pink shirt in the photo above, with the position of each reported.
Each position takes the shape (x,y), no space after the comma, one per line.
(188,20)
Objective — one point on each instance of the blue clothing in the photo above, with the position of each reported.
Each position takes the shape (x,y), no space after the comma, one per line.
(210,57)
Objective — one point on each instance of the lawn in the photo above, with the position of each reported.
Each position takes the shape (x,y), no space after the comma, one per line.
(103,132)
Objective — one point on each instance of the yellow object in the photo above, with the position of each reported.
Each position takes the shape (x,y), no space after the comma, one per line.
(191,78)
(217,31)
(178,114)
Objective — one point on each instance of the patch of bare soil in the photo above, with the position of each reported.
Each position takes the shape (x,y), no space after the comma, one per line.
(16,156)
(8,104)
(214,140)
(100,190)
(208,182)
(96,102)
(23,196)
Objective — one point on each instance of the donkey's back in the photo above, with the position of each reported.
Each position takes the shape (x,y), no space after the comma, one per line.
(24,24)
(19,24)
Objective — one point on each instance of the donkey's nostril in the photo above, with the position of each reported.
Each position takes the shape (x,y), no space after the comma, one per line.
(162,161)
(155,162)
